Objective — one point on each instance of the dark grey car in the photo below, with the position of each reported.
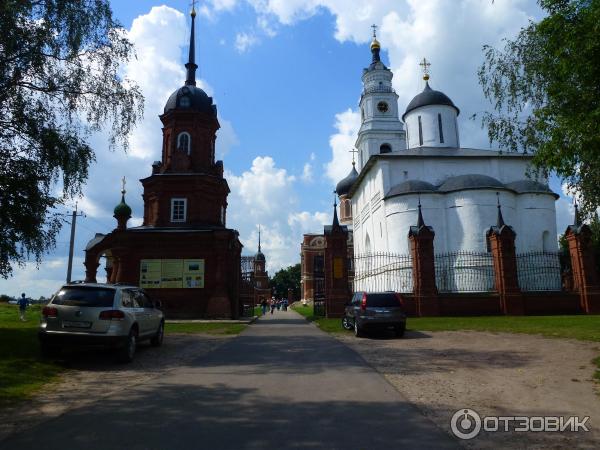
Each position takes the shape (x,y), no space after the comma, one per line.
(375,310)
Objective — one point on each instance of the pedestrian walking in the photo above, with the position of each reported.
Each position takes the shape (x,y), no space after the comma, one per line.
(272,305)
(263,305)
(23,304)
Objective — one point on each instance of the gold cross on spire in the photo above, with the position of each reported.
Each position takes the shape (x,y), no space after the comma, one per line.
(194,7)
(374,31)
(425,66)
(353,151)
(123,182)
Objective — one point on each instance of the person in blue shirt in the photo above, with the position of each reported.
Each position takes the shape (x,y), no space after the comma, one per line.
(23,304)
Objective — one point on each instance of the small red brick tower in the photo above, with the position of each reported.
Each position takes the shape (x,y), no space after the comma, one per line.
(261,276)
(584,265)
(502,243)
(424,289)
(336,267)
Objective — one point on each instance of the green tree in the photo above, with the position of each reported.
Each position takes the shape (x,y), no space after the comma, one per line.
(545,89)
(285,279)
(60,80)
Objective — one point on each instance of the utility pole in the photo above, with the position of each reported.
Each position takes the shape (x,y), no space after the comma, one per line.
(72,242)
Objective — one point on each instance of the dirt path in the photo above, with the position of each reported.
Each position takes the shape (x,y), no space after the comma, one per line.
(94,374)
(493,374)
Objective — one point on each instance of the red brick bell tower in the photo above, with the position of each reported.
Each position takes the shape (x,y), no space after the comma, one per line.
(183,253)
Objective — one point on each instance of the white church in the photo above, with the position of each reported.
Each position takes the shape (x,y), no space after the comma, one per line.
(416,156)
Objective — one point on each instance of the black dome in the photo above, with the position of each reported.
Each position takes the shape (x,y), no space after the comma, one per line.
(429,97)
(343,187)
(411,187)
(199,101)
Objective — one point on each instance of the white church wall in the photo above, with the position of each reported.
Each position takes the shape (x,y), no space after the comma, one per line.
(536,215)
(430,127)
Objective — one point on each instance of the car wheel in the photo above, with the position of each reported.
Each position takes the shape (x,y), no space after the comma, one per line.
(400,330)
(157,339)
(127,352)
(346,323)
(358,332)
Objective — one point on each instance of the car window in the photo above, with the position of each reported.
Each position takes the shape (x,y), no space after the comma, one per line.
(127,299)
(382,300)
(85,297)
(143,300)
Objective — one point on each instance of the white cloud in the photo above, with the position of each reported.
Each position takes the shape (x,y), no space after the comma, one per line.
(266,195)
(307,173)
(306,222)
(244,41)
(347,124)
(261,192)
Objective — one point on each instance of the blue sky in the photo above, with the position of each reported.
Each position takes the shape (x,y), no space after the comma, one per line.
(285,76)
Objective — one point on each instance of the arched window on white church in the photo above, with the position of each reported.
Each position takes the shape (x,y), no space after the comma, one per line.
(546,241)
(367,244)
(184,141)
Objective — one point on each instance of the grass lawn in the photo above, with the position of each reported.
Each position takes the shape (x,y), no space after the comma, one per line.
(584,328)
(205,328)
(329,325)
(22,370)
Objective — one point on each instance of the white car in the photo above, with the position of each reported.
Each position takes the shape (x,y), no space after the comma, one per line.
(118,316)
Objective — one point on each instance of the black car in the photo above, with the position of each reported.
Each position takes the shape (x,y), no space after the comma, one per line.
(375,310)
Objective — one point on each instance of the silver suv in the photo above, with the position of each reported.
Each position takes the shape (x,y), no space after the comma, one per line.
(118,316)
(369,310)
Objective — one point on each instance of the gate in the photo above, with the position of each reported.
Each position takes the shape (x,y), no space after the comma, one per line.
(319,285)
(247,286)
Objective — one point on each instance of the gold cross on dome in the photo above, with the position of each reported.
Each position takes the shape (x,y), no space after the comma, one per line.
(353,151)
(374,30)
(425,66)
(123,182)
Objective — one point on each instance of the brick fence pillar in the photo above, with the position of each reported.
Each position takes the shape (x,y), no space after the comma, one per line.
(583,265)
(502,242)
(423,268)
(336,267)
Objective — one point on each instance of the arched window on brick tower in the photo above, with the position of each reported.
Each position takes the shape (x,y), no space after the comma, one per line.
(184,142)
(345,210)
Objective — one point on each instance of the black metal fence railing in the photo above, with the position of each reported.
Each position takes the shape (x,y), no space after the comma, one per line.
(247,264)
(377,272)
(464,272)
(539,271)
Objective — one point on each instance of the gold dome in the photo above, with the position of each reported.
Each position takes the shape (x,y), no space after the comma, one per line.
(375,44)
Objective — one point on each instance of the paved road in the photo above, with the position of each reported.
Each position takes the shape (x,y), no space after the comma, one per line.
(283,383)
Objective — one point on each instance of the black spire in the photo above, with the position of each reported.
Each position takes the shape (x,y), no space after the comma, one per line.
(336,222)
(500,221)
(420,221)
(259,239)
(191,65)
